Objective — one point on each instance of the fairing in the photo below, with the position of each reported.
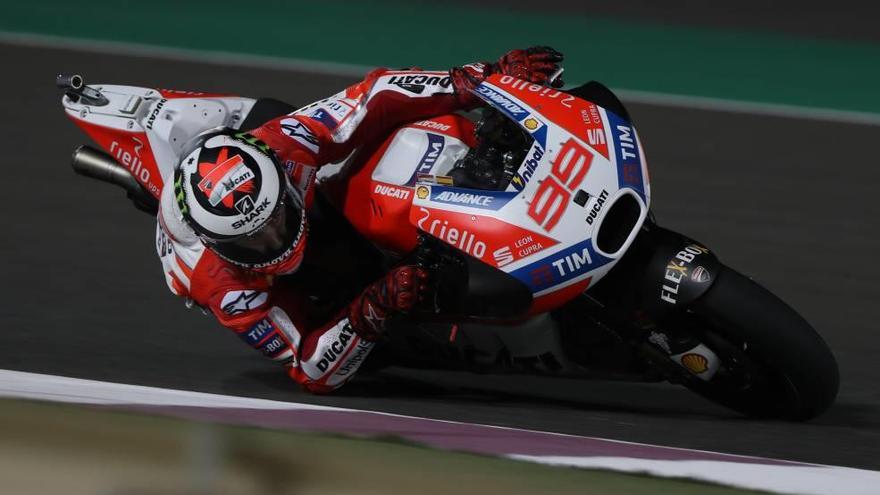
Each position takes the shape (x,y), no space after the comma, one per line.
(145,129)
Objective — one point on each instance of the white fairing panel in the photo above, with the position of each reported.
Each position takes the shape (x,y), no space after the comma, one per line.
(416,151)
(169,123)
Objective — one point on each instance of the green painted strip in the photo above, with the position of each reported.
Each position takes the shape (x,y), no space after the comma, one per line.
(638,56)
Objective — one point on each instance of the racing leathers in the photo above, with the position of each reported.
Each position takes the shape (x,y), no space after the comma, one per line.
(323,353)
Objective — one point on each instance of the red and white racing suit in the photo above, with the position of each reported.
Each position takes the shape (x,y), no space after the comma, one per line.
(323,355)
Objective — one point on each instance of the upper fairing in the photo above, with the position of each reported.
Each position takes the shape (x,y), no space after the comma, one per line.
(543,228)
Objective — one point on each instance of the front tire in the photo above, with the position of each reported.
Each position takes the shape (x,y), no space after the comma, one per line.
(774,363)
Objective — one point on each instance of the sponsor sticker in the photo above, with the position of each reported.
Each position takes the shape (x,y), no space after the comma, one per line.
(531,123)
(253,212)
(486,238)
(155,113)
(561,267)
(339,108)
(323,116)
(626,150)
(240,301)
(273,346)
(436,143)
(527,169)
(258,332)
(244,205)
(677,270)
(695,363)
(163,244)
(503,256)
(132,161)
(430,124)
(597,206)
(417,83)
(300,133)
(700,275)
(355,360)
(336,348)
(473,198)
(396,192)
(422,192)
(503,102)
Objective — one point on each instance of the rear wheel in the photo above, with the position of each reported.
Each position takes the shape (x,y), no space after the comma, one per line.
(774,364)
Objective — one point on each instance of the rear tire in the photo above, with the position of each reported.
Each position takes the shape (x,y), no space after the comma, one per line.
(774,363)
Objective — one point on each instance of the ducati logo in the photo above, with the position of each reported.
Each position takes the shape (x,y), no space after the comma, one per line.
(223,177)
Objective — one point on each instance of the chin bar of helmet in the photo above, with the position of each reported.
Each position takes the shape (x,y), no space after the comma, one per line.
(96,164)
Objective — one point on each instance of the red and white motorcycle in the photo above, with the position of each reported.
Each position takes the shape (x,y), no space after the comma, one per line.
(539,206)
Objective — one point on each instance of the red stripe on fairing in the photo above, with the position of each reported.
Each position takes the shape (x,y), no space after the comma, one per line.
(547,302)
(173,94)
(120,144)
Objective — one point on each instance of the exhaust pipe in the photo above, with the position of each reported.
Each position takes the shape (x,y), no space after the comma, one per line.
(96,164)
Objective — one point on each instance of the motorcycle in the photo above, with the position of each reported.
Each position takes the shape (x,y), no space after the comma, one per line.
(536,209)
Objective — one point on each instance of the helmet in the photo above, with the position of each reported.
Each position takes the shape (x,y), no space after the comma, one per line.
(234,194)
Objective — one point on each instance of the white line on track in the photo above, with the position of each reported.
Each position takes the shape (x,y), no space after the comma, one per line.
(353,70)
(740,471)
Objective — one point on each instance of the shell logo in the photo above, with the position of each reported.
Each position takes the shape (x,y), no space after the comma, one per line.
(531,123)
(695,363)
(422,192)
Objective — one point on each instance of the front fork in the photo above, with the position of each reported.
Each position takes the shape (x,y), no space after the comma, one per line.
(648,295)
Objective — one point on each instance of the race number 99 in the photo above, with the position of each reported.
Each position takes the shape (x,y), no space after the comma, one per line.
(551,199)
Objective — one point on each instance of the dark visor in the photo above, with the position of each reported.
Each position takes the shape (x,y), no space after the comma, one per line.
(272,241)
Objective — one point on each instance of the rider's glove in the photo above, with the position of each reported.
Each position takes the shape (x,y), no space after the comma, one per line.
(535,64)
(395,293)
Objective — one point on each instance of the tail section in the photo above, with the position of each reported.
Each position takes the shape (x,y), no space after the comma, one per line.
(142,129)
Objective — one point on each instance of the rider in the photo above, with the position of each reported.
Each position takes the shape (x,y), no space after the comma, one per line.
(237,212)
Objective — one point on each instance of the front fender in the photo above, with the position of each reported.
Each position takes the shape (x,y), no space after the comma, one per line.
(678,273)
(662,272)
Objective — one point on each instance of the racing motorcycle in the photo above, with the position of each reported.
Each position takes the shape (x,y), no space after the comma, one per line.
(535,208)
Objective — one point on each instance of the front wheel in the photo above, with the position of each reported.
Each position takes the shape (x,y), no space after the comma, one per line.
(774,364)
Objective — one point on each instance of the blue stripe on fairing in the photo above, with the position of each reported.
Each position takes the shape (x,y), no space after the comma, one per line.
(542,274)
(629,165)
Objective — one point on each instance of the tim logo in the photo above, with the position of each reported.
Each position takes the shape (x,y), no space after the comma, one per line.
(436,143)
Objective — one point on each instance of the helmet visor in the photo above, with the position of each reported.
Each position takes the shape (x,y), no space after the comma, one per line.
(272,242)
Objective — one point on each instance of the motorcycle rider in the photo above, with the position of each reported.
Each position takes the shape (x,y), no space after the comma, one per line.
(234,220)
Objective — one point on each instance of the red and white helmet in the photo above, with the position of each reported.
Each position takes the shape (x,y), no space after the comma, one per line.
(234,194)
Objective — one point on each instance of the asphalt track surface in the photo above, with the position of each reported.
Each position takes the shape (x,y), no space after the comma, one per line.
(786,201)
